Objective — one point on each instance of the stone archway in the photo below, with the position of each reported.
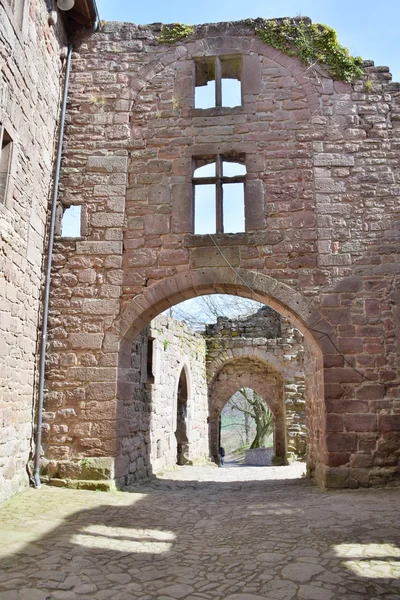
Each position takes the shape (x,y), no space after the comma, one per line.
(249,372)
(283,299)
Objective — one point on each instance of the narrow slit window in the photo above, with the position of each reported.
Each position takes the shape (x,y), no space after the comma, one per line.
(218,187)
(71,222)
(6,146)
(218,82)
(150,373)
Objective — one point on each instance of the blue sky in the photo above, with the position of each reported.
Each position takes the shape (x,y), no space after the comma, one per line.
(369,28)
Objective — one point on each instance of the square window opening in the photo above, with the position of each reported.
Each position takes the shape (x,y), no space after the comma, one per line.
(71,222)
(218,82)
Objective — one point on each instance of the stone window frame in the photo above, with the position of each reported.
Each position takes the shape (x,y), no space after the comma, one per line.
(7,130)
(213,68)
(218,180)
(19,20)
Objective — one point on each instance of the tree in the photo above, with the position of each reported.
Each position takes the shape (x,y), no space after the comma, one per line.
(204,310)
(251,404)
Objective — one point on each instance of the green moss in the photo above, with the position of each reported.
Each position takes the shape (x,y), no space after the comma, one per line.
(312,43)
(174,32)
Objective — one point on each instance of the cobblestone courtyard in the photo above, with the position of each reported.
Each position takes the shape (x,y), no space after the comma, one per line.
(204,534)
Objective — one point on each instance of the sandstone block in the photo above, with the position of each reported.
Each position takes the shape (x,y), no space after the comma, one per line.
(333,160)
(94,306)
(86,340)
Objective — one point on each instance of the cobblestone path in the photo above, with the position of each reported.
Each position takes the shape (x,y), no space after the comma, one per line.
(203,534)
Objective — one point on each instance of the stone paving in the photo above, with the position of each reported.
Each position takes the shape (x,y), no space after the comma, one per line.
(246,533)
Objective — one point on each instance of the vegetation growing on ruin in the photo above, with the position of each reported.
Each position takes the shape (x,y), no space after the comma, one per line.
(312,43)
(174,33)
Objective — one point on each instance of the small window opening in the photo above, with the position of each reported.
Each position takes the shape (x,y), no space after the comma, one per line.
(5,162)
(150,346)
(218,82)
(71,222)
(219,194)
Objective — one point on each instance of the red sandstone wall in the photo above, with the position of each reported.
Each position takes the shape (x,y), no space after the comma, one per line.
(320,243)
(29,104)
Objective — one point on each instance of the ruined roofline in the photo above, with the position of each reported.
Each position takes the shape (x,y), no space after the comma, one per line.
(348,68)
(218,26)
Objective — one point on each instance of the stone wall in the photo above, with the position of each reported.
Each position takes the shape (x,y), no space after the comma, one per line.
(322,218)
(30,69)
(146,429)
(175,349)
(267,338)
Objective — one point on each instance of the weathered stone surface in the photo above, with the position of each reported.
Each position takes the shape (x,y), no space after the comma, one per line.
(322,161)
(29,107)
(241,534)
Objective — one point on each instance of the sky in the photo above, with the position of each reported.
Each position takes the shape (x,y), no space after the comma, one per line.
(369,28)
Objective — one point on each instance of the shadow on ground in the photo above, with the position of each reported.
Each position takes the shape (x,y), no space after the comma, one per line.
(178,537)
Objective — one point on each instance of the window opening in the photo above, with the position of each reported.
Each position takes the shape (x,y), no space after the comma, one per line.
(5,162)
(205,209)
(233,195)
(219,194)
(71,222)
(204,97)
(231,90)
(150,373)
(218,82)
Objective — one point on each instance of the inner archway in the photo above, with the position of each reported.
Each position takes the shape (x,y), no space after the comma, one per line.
(251,373)
(246,423)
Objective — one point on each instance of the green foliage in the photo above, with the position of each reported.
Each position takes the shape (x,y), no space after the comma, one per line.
(312,43)
(166,344)
(369,85)
(174,33)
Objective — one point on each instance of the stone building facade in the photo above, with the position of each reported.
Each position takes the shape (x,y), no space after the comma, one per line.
(33,35)
(320,243)
(263,352)
(30,83)
(320,240)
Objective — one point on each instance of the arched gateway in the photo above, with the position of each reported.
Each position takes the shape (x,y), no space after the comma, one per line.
(311,248)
